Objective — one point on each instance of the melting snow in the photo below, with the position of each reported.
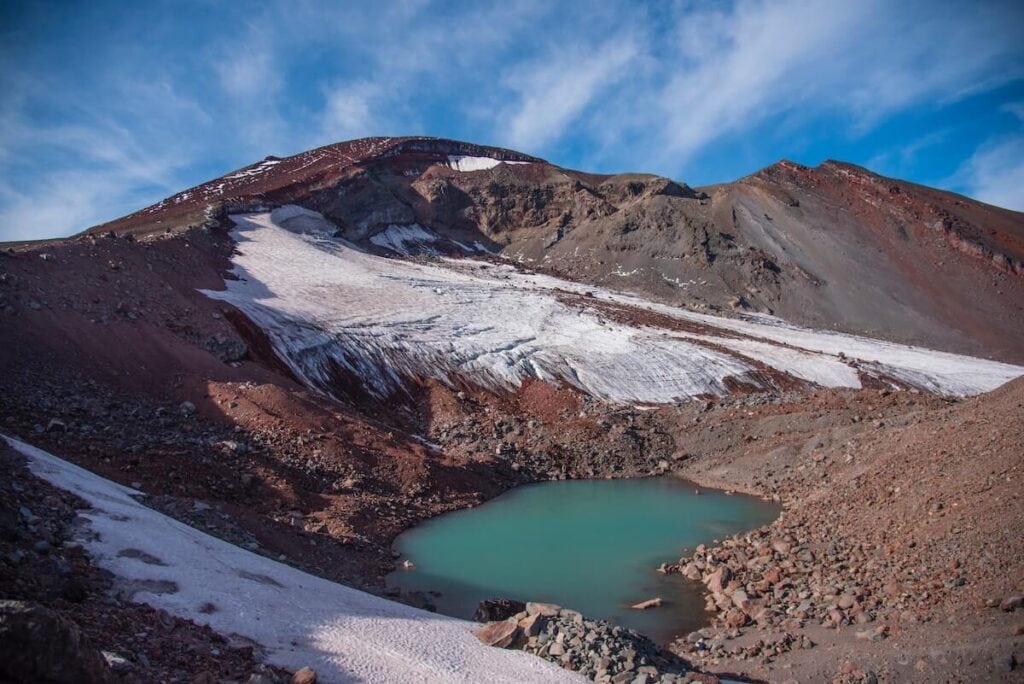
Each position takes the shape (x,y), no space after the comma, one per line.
(400,239)
(326,305)
(298,619)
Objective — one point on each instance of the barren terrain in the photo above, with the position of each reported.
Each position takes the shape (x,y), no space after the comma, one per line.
(897,556)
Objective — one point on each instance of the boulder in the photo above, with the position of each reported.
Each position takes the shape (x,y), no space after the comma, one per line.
(719,580)
(500,634)
(742,601)
(532,624)
(735,618)
(492,610)
(39,645)
(545,609)
(1012,603)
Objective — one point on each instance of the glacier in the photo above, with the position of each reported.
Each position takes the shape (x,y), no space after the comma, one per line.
(328,307)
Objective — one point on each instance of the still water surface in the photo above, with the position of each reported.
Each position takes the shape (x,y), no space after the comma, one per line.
(591,545)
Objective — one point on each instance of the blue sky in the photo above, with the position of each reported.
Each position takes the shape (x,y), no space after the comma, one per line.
(110,106)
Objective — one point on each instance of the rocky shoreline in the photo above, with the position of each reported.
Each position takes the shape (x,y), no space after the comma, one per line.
(597,649)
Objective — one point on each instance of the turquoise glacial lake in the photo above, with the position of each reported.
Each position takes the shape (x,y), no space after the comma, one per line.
(590,545)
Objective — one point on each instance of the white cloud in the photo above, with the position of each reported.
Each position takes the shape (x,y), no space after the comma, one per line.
(248,69)
(555,90)
(350,112)
(729,71)
(995,173)
(60,178)
(1015,108)
(620,85)
(64,203)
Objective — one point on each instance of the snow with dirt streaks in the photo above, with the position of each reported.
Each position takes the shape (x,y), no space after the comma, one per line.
(328,306)
(296,619)
(927,369)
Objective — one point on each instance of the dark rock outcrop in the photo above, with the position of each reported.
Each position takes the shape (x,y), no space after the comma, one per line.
(38,645)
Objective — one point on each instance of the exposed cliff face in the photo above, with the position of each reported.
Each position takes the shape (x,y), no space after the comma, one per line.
(833,246)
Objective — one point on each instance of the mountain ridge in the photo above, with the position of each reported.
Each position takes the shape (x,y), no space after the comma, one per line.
(832,246)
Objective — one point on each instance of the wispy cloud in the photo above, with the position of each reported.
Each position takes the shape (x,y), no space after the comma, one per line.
(353,111)
(995,173)
(248,68)
(553,92)
(1015,108)
(734,69)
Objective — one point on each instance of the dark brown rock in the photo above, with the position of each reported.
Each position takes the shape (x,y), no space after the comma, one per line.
(38,645)
(492,610)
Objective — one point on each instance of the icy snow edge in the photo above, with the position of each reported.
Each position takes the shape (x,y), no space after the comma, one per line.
(298,619)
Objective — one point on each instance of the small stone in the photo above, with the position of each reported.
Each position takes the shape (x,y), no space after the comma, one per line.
(649,603)
(532,625)
(259,678)
(116,662)
(39,645)
(493,610)
(306,675)
(1012,603)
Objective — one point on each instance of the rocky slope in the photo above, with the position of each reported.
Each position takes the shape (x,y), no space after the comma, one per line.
(901,532)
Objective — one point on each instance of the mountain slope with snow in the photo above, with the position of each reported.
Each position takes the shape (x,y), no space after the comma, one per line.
(828,247)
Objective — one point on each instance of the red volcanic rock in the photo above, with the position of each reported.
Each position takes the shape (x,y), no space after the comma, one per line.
(498,634)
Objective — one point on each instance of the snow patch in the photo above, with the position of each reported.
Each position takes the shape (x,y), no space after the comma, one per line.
(256,170)
(298,619)
(405,239)
(468,163)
